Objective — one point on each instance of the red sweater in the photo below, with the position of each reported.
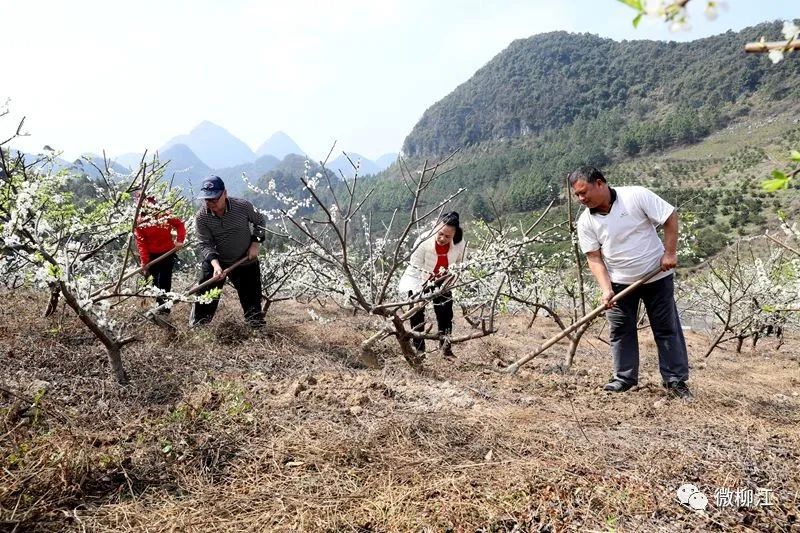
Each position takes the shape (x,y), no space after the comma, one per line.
(155,236)
(441,258)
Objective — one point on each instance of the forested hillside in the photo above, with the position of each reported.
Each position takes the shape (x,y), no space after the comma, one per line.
(716,182)
(660,92)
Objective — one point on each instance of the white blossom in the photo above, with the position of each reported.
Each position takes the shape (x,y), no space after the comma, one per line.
(654,8)
(776,56)
(790,30)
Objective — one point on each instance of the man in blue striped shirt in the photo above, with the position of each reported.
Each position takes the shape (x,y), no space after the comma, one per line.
(229,229)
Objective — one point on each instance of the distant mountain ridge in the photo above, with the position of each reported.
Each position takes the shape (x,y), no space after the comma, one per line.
(184,169)
(188,158)
(214,145)
(86,165)
(129,160)
(217,148)
(342,165)
(187,164)
(279,145)
(232,176)
(386,160)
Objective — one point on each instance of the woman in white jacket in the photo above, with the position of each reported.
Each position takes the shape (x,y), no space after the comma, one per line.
(433,254)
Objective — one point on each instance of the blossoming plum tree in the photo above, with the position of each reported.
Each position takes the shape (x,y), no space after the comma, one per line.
(350,257)
(77,250)
(747,292)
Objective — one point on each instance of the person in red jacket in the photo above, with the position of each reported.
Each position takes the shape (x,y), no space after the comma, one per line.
(154,238)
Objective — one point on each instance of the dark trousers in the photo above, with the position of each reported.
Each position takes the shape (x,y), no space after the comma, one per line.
(443,308)
(247,281)
(659,302)
(161,273)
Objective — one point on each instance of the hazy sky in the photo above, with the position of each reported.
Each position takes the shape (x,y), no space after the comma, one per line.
(125,76)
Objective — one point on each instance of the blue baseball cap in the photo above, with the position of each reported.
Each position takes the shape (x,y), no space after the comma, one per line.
(212,188)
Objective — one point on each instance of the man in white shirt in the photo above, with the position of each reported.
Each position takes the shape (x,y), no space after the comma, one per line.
(617,232)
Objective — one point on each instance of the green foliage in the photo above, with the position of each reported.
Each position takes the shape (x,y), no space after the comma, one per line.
(480,209)
(781,180)
(635,4)
(211,294)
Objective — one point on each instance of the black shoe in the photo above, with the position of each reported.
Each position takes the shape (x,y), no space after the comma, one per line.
(617,386)
(679,389)
(446,348)
(255,320)
(444,344)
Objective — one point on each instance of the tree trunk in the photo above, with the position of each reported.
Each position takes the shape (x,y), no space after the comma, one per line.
(405,344)
(115,362)
(533,318)
(715,343)
(574,341)
(112,345)
(739,342)
(52,305)
(366,353)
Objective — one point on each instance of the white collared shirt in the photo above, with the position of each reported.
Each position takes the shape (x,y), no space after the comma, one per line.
(626,236)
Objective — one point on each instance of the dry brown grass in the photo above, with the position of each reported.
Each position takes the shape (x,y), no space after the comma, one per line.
(223,430)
